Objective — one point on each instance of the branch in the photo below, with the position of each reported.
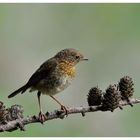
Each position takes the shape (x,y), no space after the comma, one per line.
(21,122)
(114,97)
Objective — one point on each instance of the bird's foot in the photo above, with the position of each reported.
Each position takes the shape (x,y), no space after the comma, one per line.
(64,109)
(42,117)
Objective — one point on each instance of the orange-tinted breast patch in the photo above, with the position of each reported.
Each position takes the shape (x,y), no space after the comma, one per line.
(67,68)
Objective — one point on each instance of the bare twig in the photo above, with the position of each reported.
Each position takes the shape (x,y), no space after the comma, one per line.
(21,122)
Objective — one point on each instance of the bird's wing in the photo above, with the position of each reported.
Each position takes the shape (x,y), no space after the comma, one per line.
(45,69)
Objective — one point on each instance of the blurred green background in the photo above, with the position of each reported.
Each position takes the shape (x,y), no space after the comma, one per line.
(108,34)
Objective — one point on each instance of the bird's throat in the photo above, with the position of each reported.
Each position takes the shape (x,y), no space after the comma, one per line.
(67,68)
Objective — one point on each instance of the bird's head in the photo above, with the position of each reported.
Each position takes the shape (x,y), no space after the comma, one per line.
(70,55)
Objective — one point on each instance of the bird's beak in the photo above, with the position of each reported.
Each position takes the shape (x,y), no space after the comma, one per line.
(85,58)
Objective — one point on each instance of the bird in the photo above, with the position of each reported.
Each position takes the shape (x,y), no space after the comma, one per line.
(52,77)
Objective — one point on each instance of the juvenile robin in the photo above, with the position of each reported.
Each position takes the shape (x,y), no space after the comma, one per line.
(53,76)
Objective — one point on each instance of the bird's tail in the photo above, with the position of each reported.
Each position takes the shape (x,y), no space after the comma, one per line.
(22,90)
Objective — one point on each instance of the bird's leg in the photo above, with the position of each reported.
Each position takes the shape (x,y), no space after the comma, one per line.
(62,106)
(42,117)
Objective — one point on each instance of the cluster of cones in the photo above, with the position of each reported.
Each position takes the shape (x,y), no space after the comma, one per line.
(110,99)
(10,114)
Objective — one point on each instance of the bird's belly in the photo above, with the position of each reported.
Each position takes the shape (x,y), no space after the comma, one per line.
(54,85)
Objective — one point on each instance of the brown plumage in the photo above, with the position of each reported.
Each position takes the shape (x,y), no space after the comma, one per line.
(53,76)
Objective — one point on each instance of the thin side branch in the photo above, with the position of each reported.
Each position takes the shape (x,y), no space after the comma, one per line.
(20,123)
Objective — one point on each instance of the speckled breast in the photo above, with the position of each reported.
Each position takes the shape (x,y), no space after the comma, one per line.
(60,78)
(54,84)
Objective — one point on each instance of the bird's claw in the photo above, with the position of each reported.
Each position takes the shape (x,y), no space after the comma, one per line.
(64,109)
(42,117)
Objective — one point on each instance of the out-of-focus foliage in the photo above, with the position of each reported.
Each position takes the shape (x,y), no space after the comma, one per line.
(108,34)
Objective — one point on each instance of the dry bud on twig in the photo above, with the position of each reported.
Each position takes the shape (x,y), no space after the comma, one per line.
(94,96)
(111,99)
(126,88)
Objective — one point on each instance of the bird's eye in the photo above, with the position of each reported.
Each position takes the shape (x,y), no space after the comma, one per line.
(77,57)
